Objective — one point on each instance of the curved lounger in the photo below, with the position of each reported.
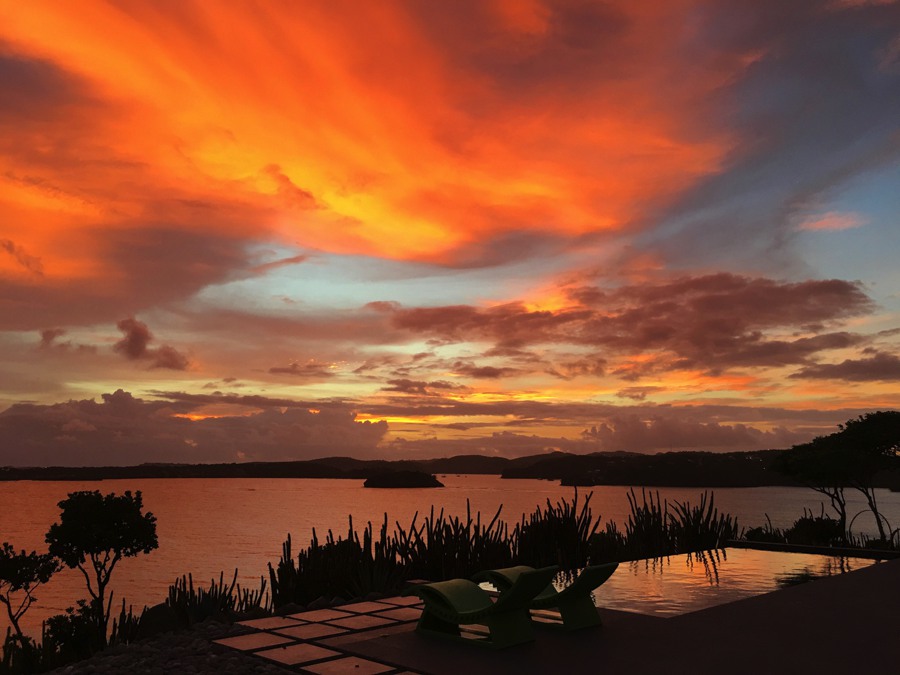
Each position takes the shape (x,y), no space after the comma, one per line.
(449,604)
(573,602)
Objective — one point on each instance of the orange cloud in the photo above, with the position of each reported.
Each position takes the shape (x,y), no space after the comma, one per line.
(407,146)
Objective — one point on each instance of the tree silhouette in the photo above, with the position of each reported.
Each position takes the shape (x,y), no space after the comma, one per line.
(850,457)
(95,532)
(23,573)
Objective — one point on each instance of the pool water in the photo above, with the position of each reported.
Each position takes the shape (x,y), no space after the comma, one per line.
(680,584)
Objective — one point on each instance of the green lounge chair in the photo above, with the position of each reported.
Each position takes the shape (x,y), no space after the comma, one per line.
(450,604)
(574,602)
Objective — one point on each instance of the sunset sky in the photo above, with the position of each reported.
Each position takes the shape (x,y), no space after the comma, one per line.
(284,230)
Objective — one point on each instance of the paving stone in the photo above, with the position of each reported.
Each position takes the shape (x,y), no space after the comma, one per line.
(310,631)
(351,665)
(364,607)
(297,654)
(253,641)
(361,621)
(402,613)
(403,602)
(321,615)
(270,622)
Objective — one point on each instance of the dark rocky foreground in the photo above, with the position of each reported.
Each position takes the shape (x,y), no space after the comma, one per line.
(185,653)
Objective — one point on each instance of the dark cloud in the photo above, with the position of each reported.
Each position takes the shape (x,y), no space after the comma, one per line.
(593,366)
(879,367)
(134,346)
(50,342)
(36,91)
(122,429)
(312,369)
(153,265)
(638,393)
(49,335)
(510,325)
(29,262)
(712,322)
(810,421)
(708,427)
(581,46)
(630,433)
(483,372)
(421,388)
(136,336)
(225,382)
(125,430)
(189,401)
(505,248)
(282,262)
(169,358)
(638,434)
(500,443)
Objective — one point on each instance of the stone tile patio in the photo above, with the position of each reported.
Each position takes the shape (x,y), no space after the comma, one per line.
(311,642)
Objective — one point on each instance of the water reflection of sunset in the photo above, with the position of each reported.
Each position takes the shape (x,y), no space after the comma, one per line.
(688,583)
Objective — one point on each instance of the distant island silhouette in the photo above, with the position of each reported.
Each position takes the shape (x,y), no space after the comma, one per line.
(667,469)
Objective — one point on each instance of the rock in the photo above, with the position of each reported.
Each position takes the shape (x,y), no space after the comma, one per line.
(157,620)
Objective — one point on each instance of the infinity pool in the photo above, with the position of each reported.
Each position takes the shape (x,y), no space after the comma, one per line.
(686,583)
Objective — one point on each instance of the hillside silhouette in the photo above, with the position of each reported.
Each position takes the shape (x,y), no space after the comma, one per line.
(669,469)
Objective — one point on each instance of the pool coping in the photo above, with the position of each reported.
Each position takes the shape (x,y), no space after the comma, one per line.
(836,551)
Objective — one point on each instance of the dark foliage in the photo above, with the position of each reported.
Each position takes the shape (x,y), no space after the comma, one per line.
(95,531)
(652,530)
(815,531)
(337,568)
(20,574)
(768,533)
(857,456)
(444,547)
(20,655)
(74,635)
(220,601)
(557,535)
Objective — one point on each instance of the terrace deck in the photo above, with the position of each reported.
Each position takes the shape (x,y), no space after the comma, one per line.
(842,624)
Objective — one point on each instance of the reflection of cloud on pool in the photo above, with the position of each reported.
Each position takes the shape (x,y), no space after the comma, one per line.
(687,583)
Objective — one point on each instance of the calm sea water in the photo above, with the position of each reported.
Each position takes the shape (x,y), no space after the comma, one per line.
(209,526)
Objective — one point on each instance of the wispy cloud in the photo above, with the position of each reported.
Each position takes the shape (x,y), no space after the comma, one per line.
(832,221)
